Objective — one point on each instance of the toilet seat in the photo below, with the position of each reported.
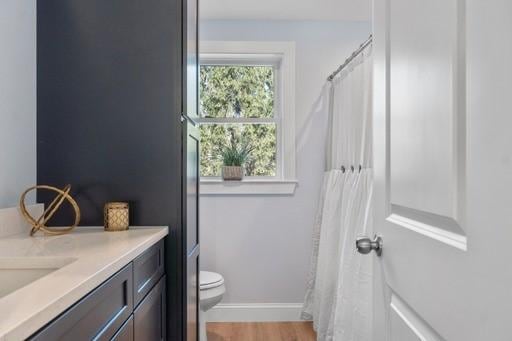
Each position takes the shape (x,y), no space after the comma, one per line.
(212,289)
(209,280)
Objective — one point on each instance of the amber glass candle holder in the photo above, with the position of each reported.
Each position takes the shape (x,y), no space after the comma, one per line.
(117,216)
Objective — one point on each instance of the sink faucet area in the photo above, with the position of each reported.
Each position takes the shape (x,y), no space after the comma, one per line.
(17,272)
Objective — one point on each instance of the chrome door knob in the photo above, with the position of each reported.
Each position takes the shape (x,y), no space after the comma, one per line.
(365,245)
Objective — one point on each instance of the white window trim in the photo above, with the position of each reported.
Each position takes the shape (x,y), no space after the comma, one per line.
(284,53)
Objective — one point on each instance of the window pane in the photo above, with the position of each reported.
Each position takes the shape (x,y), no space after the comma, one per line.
(237,91)
(261,137)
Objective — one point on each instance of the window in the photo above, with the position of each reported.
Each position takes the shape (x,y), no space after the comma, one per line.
(247,95)
(238,103)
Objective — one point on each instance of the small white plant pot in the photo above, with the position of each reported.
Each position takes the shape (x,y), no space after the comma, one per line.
(232,173)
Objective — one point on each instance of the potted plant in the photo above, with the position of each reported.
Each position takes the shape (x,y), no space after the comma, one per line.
(234,156)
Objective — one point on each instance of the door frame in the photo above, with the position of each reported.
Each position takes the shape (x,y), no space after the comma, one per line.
(190,128)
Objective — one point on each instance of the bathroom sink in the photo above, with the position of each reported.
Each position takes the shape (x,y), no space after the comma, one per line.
(17,272)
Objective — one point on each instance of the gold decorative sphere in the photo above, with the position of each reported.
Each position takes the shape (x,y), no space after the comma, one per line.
(40,223)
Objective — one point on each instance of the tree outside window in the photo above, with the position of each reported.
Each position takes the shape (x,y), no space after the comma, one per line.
(238,102)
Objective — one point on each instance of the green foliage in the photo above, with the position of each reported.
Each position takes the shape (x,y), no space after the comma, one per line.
(236,153)
(238,91)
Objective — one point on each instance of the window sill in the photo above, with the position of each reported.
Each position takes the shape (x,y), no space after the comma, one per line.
(248,187)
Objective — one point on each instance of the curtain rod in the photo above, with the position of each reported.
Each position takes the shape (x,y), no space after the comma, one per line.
(351,58)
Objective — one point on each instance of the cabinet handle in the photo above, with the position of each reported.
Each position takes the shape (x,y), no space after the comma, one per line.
(185,117)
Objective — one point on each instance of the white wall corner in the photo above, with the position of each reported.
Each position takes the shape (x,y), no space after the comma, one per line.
(12,221)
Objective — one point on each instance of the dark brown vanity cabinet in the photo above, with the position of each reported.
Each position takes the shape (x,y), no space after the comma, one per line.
(113,311)
(117,112)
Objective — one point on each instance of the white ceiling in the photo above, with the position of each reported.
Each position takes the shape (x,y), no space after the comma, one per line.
(286,9)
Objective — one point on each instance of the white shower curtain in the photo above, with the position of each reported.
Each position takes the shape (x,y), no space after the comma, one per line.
(339,288)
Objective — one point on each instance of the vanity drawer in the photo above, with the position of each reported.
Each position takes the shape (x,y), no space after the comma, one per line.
(147,270)
(98,315)
(126,331)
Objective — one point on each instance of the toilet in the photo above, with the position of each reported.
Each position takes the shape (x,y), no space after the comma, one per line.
(211,290)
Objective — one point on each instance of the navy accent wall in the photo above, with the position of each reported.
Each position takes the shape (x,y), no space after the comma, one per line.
(109,101)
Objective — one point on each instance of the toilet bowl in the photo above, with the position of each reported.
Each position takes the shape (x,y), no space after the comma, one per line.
(211,290)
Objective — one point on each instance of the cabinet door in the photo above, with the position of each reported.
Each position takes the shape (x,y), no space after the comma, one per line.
(149,317)
(126,331)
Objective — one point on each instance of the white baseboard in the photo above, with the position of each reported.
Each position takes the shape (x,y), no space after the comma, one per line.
(255,312)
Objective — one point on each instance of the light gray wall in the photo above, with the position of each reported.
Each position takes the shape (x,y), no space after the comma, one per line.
(262,244)
(17,99)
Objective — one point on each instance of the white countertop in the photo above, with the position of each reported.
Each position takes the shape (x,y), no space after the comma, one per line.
(95,255)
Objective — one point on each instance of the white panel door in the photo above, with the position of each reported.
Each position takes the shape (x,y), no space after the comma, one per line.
(443,169)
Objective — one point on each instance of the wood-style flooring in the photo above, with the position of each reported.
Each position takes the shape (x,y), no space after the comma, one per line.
(261,331)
